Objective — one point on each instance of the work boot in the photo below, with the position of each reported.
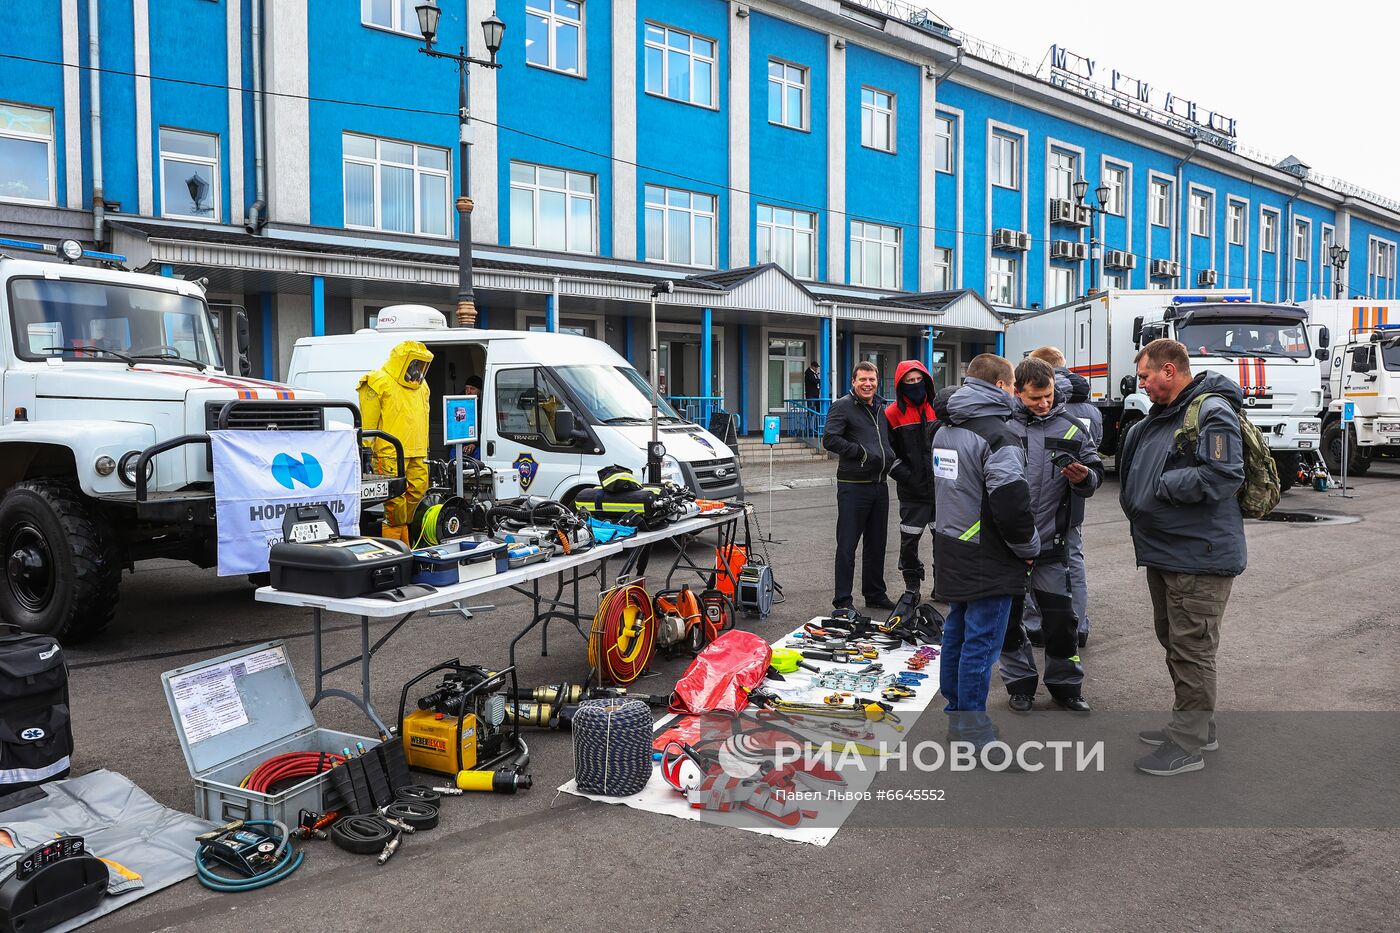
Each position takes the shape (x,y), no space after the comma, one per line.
(1020,702)
(397,532)
(1073,704)
(879,602)
(1159,736)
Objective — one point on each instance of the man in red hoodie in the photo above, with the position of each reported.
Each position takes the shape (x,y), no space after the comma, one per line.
(912,423)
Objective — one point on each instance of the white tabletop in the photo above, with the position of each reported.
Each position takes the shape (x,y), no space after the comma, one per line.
(445,595)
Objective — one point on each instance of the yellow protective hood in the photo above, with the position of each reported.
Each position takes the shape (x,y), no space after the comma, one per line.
(402,357)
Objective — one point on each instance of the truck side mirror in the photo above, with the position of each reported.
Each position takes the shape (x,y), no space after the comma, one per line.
(1128,385)
(1137,332)
(240,337)
(1324,338)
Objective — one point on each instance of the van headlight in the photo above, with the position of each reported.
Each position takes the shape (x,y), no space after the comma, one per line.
(1309,427)
(671,470)
(126,468)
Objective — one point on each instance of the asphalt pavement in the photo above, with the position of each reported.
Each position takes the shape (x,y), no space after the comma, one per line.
(1311,626)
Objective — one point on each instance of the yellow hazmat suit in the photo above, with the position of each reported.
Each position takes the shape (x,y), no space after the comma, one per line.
(395,399)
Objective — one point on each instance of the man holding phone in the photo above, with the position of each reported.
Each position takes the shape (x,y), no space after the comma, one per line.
(1063,468)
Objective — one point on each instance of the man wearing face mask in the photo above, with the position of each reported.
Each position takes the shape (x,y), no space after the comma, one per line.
(912,425)
(395,399)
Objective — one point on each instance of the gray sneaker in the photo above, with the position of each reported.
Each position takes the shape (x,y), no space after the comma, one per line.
(1169,759)
(1158,736)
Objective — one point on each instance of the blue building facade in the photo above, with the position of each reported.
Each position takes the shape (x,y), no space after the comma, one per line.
(812,174)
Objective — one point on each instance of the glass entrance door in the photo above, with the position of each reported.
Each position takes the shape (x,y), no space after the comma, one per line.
(886,357)
(788,358)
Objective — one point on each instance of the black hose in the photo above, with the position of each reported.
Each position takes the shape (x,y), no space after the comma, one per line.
(418,793)
(362,835)
(417,815)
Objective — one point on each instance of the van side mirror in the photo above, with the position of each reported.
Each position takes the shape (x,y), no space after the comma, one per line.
(240,337)
(564,426)
(1324,338)
(1137,332)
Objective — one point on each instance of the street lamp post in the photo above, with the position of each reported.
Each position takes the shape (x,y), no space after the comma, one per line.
(1081,188)
(1338,255)
(492,28)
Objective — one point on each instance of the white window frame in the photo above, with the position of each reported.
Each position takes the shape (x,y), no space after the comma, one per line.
(1380,267)
(785,83)
(1002,144)
(398,9)
(860,240)
(665,49)
(943,143)
(552,21)
(1002,270)
(666,210)
(876,110)
(1236,221)
(1159,186)
(1066,275)
(49,142)
(774,227)
(1197,199)
(1056,172)
(943,268)
(1302,245)
(215,196)
(1268,231)
(1324,266)
(1117,194)
(570,195)
(375,164)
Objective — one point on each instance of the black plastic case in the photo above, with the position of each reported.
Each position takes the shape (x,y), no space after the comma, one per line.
(341,568)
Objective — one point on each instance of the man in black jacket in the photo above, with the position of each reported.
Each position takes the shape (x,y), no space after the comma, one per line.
(912,424)
(812,383)
(856,431)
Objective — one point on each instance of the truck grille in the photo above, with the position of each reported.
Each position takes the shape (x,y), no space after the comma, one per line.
(1278,401)
(716,475)
(267,416)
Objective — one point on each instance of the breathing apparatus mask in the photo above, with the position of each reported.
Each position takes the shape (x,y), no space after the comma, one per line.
(915,392)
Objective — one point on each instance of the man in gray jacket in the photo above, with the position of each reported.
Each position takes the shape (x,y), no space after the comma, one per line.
(1063,468)
(1188,532)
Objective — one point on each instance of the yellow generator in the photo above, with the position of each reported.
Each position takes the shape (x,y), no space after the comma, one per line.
(457,727)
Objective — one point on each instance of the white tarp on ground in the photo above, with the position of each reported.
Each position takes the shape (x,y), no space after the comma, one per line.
(840,802)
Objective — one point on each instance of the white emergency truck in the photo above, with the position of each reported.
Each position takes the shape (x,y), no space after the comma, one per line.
(554,407)
(1363,368)
(1263,347)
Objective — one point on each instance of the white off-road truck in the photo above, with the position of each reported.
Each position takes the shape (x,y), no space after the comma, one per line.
(111,382)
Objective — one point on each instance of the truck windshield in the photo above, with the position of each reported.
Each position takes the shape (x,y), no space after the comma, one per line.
(1390,355)
(1245,338)
(613,394)
(64,317)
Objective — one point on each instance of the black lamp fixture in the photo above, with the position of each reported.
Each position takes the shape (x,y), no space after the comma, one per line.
(1081,188)
(1338,254)
(1102,192)
(492,30)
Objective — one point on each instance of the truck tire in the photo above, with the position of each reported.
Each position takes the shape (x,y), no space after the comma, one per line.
(1287,470)
(62,565)
(1332,451)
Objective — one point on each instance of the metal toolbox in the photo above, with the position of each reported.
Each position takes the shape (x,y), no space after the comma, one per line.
(234,712)
(458,561)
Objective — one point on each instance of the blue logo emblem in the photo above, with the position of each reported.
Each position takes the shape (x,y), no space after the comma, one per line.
(702,442)
(528,467)
(288,470)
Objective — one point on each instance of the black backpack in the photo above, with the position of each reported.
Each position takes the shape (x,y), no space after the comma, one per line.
(36,736)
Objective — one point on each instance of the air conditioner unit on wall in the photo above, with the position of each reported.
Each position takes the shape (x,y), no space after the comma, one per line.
(1165,268)
(1206,278)
(1120,259)
(1080,251)
(1083,216)
(1023,241)
(1004,238)
(1062,212)
(1062,249)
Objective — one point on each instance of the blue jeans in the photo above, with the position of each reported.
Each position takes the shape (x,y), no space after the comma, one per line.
(972,640)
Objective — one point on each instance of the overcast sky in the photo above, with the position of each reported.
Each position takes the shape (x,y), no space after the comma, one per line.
(1313,80)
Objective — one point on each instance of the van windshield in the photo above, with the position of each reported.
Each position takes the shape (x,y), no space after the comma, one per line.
(614,394)
(1245,338)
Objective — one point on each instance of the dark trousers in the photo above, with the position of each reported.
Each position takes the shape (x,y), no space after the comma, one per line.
(914,519)
(1064,673)
(862,512)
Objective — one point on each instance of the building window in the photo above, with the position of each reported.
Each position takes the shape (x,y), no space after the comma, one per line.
(395,186)
(787,94)
(1380,274)
(1062,286)
(1064,169)
(1006,161)
(788,238)
(26,154)
(680,226)
(1161,199)
(189,175)
(1001,281)
(874,255)
(397,15)
(551,208)
(943,158)
(1200,214)
(1236,222)
(1268,232)
(1300,240)
(1117,181)
(554,35)
(1329,239)
(942,269)
(876,119)
(680,66)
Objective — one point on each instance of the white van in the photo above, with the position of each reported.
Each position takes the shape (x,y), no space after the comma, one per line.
(555,407)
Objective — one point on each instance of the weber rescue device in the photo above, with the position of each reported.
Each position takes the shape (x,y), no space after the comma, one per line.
(313,558)
(459,726)
(51,883)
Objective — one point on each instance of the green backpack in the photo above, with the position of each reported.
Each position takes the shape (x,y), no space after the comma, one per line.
(1260,490)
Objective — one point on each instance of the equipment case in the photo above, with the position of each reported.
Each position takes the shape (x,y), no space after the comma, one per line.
(277,720)
(314,559)
(36,736)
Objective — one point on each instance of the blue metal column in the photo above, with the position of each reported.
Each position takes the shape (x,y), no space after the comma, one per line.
(824,359)
(743,378)
(707,363)
(268,337)
(928,349)
(167,270)
(549,323)
(848,354)
(1001,344)
(481,318)
(318,306)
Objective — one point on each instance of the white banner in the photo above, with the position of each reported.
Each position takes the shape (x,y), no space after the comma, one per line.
(258,475)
